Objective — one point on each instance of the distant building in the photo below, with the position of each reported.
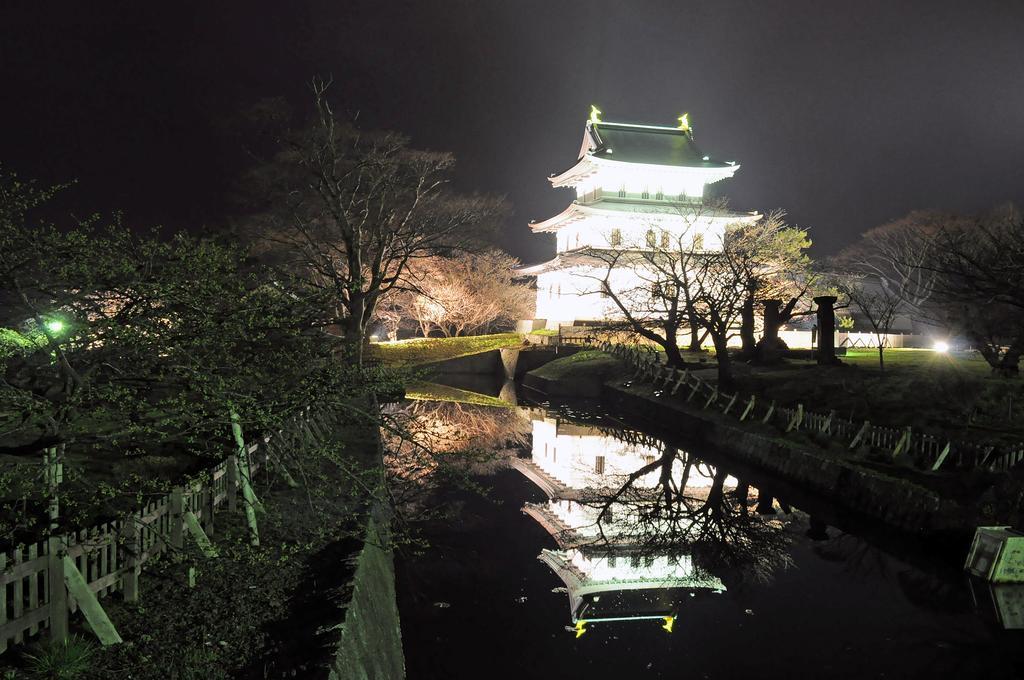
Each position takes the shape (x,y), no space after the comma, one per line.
(638,187)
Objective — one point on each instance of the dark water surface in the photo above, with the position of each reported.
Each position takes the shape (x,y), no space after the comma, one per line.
(480,604)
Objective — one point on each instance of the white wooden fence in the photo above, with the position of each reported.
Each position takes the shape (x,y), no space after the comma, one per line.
(110,556)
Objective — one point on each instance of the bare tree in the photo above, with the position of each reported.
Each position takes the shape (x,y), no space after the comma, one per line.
(349,211)
(879,304)
(978,270)
(897,255)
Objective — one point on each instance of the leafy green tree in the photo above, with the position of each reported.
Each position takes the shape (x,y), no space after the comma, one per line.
(135,346)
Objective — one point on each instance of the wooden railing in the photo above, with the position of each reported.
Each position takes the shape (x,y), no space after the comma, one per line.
(110,556)
(925,450)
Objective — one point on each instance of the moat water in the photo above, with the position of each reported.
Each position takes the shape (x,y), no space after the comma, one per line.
(599,551)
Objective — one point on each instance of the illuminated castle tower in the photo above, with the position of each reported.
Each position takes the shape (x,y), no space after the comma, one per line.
(637,187)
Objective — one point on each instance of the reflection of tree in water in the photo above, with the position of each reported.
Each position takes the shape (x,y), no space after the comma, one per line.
(681,513)
(427,443)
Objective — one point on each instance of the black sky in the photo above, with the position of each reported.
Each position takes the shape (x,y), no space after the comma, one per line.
(844,114)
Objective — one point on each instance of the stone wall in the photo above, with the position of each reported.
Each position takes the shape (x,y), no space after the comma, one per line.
(898,502)
(371,636)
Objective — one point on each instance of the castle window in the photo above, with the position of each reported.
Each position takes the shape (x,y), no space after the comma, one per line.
(681,197)
(645,194)
(652,240)
(616,237)
(660,195)
(622,191)
(599,465)
(664,239)
(698,241)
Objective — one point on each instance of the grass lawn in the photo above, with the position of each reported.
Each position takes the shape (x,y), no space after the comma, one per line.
(426,350)
(429,391)
(919,359)
(951,394)
(582,364)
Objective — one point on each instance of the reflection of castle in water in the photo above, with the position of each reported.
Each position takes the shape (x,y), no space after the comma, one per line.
(609,572)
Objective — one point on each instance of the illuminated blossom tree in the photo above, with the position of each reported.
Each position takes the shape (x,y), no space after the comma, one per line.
(467,293)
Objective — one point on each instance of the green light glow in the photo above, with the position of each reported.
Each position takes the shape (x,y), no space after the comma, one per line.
(55,326)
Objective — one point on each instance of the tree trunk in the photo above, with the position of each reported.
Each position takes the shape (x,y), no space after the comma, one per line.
(881,358)
(355,326)
(694,337)
(826,352)
(725,379)
(672,355)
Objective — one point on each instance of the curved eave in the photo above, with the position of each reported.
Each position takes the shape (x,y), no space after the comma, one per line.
(576,212)
(571,214)
(583,169)
(590,164)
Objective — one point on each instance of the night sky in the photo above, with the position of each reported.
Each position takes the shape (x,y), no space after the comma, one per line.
(844,114)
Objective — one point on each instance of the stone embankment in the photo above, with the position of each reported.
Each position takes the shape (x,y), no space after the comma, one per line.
(909,502)
(371,638)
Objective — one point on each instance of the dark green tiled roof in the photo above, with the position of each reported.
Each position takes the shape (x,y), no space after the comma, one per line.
(656,145)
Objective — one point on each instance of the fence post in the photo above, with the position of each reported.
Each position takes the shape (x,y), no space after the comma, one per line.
(713,397)
(749,408)
(58,604)
(942,456)
(175,514)
(683,375)
(903,444)
(798,417)
(131,535)
(209,506)
(771,410)
(826,427)
(696,386)
(232,473)
(860,433)
(731,402)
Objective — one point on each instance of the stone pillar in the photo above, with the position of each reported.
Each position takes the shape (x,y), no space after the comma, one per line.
(826,352)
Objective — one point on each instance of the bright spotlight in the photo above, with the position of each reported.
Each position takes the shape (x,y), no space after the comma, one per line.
(941,346)
(55,326)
